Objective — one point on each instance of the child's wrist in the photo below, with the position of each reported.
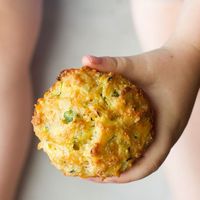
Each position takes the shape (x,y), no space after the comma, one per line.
(187,53)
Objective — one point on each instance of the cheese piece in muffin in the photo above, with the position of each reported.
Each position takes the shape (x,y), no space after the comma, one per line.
(93,124)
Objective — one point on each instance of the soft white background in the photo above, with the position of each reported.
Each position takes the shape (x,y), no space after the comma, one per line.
(72,28)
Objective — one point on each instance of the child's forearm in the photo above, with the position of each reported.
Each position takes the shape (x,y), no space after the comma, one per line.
(19,26)
(189,25)
(186,38)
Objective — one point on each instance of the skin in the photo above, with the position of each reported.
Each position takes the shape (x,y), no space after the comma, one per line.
(20,22)
(181,166)
(170,75)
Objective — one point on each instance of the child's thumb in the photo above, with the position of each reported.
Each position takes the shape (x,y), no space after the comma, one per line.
(132,67)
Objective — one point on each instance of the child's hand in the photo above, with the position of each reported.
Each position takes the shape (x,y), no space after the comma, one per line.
(170,77)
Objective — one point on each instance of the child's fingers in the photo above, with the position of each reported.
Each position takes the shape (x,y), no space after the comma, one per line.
(148,164)
(133,67)
(107,64)
(95,179)
(153,157)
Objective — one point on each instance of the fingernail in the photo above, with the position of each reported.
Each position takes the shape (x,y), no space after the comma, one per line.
(95,60)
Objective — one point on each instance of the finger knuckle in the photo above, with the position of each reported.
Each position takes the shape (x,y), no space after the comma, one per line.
(122,63)
(154,166)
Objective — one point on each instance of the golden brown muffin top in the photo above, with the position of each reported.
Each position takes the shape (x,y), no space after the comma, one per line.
(93,124)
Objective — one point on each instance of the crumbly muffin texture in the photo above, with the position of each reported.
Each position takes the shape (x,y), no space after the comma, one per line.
(93,124)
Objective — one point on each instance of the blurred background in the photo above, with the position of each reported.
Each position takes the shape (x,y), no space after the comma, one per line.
(71,29)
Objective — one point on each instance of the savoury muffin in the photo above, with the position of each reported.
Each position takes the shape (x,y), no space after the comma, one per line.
(93,124)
